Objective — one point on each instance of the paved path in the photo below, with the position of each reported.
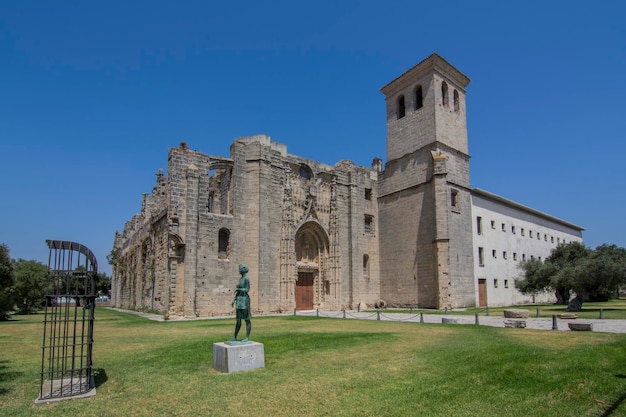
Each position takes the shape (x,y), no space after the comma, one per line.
(542,323)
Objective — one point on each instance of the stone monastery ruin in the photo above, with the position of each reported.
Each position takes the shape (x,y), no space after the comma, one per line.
(410,232)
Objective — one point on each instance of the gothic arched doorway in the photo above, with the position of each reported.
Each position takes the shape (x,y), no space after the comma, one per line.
(311,263)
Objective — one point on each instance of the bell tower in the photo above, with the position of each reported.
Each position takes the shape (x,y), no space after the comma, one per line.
(424,195)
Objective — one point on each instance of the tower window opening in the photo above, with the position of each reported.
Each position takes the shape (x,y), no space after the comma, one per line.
(454,198)
(419,98)
(369,224)
(455,97)
(444,93)
(401,107)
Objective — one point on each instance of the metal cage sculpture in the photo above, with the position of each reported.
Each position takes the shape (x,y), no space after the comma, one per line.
(66,366)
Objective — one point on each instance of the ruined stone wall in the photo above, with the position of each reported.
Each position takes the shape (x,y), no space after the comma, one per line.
(138,255)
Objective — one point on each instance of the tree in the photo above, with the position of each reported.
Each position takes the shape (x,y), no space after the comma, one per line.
(6,283)
(607,271)
(30,284)
(103,284)
(574,268)
(536,277)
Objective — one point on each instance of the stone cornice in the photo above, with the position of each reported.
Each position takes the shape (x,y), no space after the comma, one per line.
(433,63)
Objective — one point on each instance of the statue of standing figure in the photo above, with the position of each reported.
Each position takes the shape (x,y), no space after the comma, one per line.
(241,302)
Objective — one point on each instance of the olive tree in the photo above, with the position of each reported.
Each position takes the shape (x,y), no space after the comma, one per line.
(574,268)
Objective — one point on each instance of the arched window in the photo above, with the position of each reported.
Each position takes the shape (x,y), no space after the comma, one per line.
(419,98)
(444,93)
(305,172)
(455,97)
(224,238)
(401,107)
(366,265)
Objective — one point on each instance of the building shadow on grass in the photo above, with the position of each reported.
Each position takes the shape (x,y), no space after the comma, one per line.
(617,403)
(6,377)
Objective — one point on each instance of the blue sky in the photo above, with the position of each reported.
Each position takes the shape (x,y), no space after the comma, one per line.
(93,94)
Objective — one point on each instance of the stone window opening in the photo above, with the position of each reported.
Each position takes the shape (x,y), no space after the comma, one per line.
(479,225)
(455,97)
(495,283)
(369,224)
(366,265)
(481,257)
(401,107)
(444,93)
(223,243)
(368,193)
(419,98)
(211,201)
(454,198)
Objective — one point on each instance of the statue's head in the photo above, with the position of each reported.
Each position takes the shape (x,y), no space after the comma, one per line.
(243,268)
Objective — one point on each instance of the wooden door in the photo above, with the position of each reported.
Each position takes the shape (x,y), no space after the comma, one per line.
(304,291)
(482,292)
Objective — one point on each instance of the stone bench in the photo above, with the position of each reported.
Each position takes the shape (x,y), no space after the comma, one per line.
(449,320)
(580,327)
(516,313)
(518,324)
(567,316)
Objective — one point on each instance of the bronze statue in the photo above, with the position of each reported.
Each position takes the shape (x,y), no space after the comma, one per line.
(242,304)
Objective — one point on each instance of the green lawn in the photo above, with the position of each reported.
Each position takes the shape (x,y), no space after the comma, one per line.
(333,367)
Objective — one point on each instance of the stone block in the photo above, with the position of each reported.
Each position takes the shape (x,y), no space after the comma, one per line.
(449,320)
(568,316)
(516,313)
(580,327)
(235,358)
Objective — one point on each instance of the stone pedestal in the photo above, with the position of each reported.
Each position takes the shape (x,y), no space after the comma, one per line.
(241,357)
